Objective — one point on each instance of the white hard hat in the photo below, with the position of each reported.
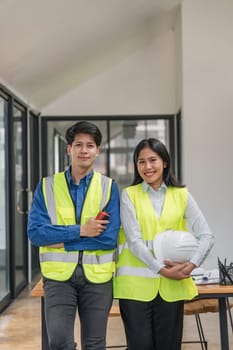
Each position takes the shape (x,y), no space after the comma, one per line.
(177,246)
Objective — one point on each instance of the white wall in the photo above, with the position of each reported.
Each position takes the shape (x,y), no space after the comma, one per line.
(178,60)
(149,81)
(141,83)
(207,28)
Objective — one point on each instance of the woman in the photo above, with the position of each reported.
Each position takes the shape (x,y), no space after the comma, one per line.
(151,293)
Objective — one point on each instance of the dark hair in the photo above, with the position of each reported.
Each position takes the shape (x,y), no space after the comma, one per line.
(156,146)
(83,127)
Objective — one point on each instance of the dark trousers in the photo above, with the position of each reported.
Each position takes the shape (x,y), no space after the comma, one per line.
(153,325)
(61,302)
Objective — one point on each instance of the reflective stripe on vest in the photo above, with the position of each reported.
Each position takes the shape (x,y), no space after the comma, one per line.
(56,263)
(137,271)
(148,244)
(133,279)
(51,207)
(73,257)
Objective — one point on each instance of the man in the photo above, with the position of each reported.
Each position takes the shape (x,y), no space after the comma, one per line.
(76,249)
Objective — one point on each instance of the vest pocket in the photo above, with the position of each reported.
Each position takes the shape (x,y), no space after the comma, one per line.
(65,212)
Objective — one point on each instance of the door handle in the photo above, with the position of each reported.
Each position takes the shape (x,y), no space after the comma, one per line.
(19,196)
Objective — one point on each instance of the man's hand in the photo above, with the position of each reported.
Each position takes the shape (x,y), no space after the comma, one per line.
(56,245)
(93,228)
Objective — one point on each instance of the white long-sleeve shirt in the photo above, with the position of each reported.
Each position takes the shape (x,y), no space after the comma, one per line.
(195,221)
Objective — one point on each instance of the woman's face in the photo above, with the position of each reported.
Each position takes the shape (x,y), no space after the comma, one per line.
(150,167)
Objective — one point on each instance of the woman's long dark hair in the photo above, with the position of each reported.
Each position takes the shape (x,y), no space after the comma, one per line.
(156,146)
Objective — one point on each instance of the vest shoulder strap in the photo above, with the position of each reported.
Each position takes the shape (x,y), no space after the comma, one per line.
(106,183)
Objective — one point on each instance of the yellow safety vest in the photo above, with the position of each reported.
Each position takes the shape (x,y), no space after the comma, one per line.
(58,264)
(133,279)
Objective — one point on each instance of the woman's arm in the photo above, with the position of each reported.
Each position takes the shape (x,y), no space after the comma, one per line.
(197,224)
(134,235)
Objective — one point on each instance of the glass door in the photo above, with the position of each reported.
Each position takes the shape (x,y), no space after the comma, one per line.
(33,178)
(19,193)
(4,239)
(15,194)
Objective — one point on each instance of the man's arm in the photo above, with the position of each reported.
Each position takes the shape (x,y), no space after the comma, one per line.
(108,238)
(40,230)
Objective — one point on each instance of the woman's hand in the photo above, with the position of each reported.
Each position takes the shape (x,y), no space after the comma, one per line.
(177,271)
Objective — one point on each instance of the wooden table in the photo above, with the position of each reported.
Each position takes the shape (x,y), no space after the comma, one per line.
(221,293)
(209,291)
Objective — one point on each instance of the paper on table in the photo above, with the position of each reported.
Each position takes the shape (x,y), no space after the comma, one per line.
(201,276)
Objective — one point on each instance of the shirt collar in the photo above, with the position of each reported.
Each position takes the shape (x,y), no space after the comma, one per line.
(86,179)
(146,187)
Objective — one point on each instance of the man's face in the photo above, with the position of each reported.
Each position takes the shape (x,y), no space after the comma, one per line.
(83,152)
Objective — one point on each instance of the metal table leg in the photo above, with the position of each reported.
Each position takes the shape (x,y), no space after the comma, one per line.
(223,324)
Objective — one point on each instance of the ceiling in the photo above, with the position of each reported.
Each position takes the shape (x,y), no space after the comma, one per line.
(49,47)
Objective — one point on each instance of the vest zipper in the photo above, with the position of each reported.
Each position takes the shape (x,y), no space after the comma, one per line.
(80,257)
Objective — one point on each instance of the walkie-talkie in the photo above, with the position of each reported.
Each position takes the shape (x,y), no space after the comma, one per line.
(103,215)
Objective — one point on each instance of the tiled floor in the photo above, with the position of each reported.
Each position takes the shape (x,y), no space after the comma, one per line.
(20,327)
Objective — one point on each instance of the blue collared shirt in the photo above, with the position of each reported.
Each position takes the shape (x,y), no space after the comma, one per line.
(42,233)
